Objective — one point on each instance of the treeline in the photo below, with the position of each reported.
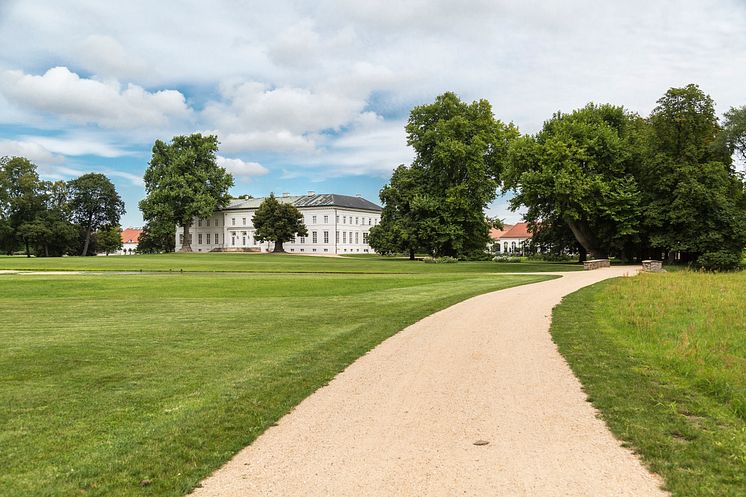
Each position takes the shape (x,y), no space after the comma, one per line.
(54,218)
(601,181)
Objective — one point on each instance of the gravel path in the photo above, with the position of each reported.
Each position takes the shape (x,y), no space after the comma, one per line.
(403,419)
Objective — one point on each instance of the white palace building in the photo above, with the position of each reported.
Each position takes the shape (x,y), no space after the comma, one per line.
(337,224)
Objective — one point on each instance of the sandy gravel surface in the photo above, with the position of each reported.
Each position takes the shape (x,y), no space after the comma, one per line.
(403,419)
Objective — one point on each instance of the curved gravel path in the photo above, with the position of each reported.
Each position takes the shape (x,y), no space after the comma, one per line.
(403,419)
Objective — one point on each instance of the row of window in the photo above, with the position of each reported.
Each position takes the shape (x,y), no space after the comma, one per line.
(314,237)
(360,221)
(216,222)
(208,238)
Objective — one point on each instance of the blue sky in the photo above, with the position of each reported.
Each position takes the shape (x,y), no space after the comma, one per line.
(314,95)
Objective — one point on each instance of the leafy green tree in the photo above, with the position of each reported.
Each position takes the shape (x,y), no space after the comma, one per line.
(580,170)
(399,230)
(50,233)
(22,198)
(694,200)
(94,202)
(437,204)
(734,130)
(109,239)
(157,238)
(183,182)
(278,222)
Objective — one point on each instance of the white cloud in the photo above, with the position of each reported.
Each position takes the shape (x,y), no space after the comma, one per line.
(35,152)
(75,145)
(104,56)
(240,169)
(65,94)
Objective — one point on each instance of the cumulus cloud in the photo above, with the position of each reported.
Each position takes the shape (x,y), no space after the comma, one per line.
(35,152)
(105,56)
(63,93)
(240,169)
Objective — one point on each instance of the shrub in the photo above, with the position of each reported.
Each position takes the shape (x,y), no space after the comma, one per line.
(553,258)
(721,260)
(505,258)
(440,260)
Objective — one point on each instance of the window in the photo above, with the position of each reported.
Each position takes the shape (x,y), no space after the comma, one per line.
(233,240)
(217,222)
(512,247)
(344,237)
(336,239)
(357,220)
(243,221)
(208,238)
(350,236)
(365,238)
(313,219)
(344,219)
(233,221)
(356,237)
(199,223)
(369,221)
(326,219)
(302,240)
(313,237)
(244,241)
(506,247)
(217,239)
(337,218)
(326,237)
(208,223)
(181,239)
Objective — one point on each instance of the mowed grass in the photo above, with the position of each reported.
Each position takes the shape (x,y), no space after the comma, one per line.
(663,357)
(269,263)
(123,385)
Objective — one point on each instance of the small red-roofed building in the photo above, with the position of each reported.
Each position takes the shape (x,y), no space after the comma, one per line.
(511,239)
(130,238)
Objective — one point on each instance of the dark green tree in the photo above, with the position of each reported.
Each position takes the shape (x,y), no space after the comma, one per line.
(400,228)
(694,200)
(734,131)
(22,199)
(50,234)
(109,239)
(94,202)
(278,222)
(580,170)
(184,182)
(157,238)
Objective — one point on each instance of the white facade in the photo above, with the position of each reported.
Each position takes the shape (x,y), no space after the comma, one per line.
(336,224)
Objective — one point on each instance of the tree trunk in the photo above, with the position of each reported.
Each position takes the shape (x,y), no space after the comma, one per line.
(87,241)
(46,250)
(279,249)
(187,245)
(585,238)
(583,253)
(411,254)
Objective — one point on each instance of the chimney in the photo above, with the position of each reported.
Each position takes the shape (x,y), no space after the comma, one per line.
(311,192)
(285,194)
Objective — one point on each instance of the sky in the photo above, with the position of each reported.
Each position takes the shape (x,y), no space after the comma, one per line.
(313,96)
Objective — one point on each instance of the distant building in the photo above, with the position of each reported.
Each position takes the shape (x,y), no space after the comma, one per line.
(511,239)
(130,238)
(337,224)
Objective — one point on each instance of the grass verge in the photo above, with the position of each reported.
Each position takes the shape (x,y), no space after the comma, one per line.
(663,357)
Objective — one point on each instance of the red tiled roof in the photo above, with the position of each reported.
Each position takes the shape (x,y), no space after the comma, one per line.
(131,235)
(519,230)
(496,234)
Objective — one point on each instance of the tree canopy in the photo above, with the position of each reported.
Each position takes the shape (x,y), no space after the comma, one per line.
(183,181)
(278,222)
(437,203)
(94,202)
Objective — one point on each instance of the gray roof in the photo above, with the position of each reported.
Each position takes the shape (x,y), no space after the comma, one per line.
(315,200)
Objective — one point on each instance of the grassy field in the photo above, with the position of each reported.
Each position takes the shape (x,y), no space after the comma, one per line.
(268,263)
(663,357)
(142,384)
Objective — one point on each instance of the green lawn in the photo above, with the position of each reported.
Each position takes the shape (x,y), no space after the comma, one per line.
(107,381)
(269,263)
(663,357)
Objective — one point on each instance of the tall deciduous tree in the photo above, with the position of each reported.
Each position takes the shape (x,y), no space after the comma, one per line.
(22,198)
(157,237)
(694,200)
(278,222)
(579,170)
(109,239)
(183,181)
(734,131)
(460,150)
(94,202)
